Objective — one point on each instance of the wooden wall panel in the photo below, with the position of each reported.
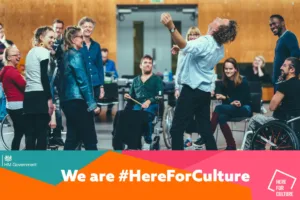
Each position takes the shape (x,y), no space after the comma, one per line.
(23,16)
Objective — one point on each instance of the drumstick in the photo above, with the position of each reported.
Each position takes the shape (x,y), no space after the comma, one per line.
(135,101)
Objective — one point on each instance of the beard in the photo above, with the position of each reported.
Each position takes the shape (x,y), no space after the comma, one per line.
(282,77)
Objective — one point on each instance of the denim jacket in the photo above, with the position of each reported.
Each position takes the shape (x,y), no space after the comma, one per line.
(93,61)
(75,79)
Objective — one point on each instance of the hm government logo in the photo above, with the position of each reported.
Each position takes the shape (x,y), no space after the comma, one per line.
(8,162)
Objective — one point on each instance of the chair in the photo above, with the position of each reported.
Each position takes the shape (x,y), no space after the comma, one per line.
(256,103)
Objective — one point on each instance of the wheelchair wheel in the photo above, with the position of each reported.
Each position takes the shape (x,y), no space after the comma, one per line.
(8,132)
(167,124)
(275,135)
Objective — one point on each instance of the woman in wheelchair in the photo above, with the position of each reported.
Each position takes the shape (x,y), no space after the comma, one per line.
(280,131)
(235,96)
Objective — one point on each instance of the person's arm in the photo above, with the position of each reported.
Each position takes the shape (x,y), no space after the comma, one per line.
(19,81)
(278,96)
(159,89)
(245,93)
(100,66)
(176,36)
(177,71)
(292,45)
(116,75)
(44,78)
(78,67)
(276,100)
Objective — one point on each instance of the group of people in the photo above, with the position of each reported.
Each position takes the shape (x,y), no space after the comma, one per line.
(197,58)
(65,71)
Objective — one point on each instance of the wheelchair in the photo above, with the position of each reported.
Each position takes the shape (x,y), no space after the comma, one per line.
(131,125)
(7,134)
(274,135)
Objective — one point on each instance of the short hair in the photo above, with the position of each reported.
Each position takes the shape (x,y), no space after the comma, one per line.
(1,25)
(58,21)
(226,33)
(86,19)
(262,59)
(278,17)
(146,57)
(295,64)
(104,50)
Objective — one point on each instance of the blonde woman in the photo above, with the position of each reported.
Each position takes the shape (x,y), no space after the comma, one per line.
(77,98)
(14,87)
(38,106)
(257,72)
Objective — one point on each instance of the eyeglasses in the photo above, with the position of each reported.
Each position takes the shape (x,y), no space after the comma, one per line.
(193,35)
(15,55)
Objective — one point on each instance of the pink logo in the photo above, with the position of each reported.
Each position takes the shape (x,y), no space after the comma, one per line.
(282,184)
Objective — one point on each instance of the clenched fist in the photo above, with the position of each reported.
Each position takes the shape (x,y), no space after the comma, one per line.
(166,20)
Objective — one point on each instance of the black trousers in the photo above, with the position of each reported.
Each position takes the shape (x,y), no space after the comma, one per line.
(192,102)
(80,125)
(19,124)
(37,131)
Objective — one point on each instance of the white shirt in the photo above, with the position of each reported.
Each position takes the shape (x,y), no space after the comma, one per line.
(33,68)
(197,61)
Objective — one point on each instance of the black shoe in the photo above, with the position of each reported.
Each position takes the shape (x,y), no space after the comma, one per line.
(230,148)
(199,142)
(56,142)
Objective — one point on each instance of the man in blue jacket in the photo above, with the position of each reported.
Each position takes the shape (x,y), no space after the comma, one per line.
(286,46)
(91,51)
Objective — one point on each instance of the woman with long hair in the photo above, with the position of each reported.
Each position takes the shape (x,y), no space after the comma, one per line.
(77,100)
(235,95)
(38,106)
(14,87)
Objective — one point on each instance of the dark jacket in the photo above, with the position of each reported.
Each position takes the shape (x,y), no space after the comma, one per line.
(93,61)
(239,93)
(75,79)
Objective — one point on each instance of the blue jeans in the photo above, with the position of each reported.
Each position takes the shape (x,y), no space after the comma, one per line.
(3,111)
(152,110)
(226,111)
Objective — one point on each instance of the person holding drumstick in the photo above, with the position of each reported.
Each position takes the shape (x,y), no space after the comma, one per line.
(143,91)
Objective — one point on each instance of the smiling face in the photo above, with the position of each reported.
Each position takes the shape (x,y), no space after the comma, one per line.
(14,56)
(78,40)
(257,62)
(287,69)
(146,66)
(48,39)
(58,28)
(87,29)
(229,70)
(276,26)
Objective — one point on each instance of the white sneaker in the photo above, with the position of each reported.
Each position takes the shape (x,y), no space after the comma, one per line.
(146,146)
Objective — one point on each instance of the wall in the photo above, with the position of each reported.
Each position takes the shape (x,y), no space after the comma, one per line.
(23,16)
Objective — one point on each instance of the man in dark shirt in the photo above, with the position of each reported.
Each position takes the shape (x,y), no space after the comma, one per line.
(286,46)
(56,64)
(144,89)
(286,101)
